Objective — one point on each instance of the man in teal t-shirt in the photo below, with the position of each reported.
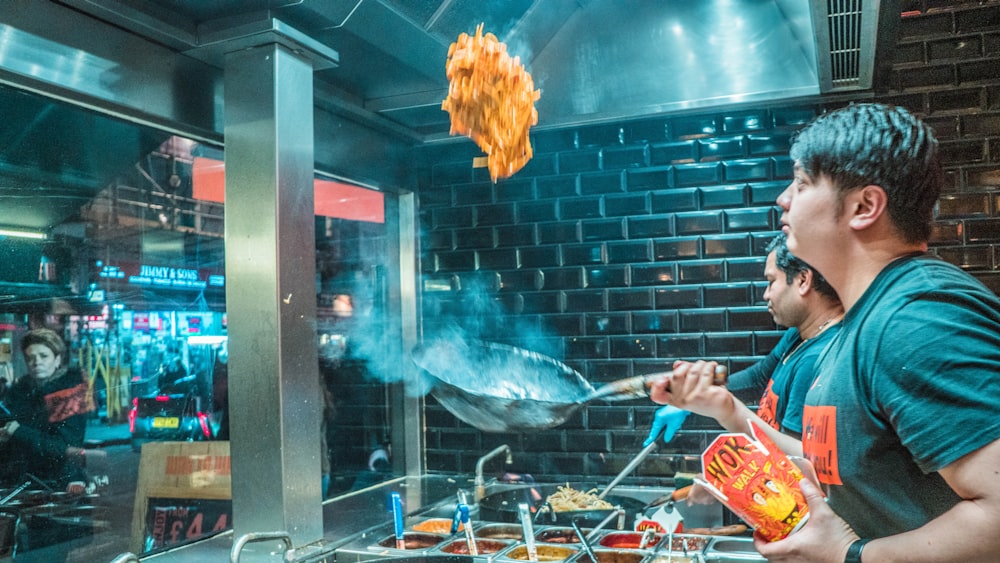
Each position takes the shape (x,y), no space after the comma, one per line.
(797,297)
(902,421)
(800,298)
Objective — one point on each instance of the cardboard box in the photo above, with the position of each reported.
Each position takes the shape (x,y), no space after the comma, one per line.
(757,481)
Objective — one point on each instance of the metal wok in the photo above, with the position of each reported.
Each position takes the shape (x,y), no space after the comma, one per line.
(502,507)
(500,388)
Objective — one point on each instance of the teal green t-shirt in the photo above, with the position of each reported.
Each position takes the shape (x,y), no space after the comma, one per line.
(909,385)
(791,380)
(778,383)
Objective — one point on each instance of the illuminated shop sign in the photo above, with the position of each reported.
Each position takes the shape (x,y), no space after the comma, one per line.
(164,276)
(149,275)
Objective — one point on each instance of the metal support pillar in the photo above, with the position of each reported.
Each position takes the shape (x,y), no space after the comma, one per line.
(274,395)
(408,408)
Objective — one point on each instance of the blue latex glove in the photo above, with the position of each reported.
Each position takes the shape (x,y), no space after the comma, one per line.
(668,419)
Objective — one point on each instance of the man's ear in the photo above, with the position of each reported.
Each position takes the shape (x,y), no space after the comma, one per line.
(803,282)
(865,206)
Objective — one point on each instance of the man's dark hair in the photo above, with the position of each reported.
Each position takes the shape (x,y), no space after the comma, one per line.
(876,144)
(792,266)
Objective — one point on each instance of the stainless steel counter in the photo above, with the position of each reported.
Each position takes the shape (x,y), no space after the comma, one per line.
(344,518)
(355,524)
(372,544)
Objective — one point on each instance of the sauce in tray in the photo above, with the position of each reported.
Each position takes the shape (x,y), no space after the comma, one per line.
(677,559)
(436,526)
(557,535)
(413,541)
(626,540)
(501,532)
(461,547)
(545,553)
(608,556)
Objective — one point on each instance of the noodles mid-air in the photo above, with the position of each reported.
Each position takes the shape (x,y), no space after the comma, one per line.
(491,99)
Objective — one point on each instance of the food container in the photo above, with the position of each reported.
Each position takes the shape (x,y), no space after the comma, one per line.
(502,506)
(436,526)
(82,511)
(557,535)
(690,543)
(47,508)
(678,558)
(31,497)
(500,532)
(413,541)
(727,548)
(612,556)
(757,481)
(60,496)
(483,546)
(627,540)
(545,553)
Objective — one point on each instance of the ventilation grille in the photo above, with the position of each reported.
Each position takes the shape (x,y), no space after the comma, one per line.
(844,18)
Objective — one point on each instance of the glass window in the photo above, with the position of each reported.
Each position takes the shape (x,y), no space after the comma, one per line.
(115,243)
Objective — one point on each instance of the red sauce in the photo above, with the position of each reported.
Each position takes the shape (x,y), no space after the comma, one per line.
(625,541)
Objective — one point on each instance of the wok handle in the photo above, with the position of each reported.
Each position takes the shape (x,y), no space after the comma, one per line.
(638,386)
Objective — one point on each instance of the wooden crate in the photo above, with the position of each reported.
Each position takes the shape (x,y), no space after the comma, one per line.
(179,470)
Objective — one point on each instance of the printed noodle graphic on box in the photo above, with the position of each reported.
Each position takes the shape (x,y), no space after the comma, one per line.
(754,479)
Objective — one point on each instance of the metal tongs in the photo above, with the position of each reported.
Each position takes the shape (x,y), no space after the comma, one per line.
(20,488)
(631,465)
(15,492)
(668,542)
(545,508)
(462,516)
(618,512)
(583,541)
(647,538)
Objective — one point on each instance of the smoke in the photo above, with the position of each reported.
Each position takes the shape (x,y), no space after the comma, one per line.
(480,311)
(473,336)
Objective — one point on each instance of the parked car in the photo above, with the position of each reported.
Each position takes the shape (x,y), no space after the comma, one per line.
(171,414)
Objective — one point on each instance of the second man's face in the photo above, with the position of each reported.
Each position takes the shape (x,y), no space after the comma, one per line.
(779,295)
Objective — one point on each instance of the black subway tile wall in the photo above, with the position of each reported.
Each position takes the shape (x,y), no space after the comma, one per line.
(621,247)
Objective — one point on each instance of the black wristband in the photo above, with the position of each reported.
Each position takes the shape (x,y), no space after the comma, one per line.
(854,551)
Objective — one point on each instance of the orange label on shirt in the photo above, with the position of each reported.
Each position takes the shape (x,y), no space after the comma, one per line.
(819,442)
(767,408)
(65,403)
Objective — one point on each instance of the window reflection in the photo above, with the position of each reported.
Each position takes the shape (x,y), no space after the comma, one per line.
(352,332)
(124,258)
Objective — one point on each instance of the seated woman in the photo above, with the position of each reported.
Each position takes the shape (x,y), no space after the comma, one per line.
(48,406)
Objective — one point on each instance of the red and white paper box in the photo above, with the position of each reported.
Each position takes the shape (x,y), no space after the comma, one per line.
(757,481)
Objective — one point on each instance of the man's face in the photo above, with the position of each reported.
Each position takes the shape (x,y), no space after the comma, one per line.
(784,301)
(41,361)
(811,218)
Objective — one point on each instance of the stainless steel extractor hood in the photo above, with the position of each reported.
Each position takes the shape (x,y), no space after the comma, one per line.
(593,60)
